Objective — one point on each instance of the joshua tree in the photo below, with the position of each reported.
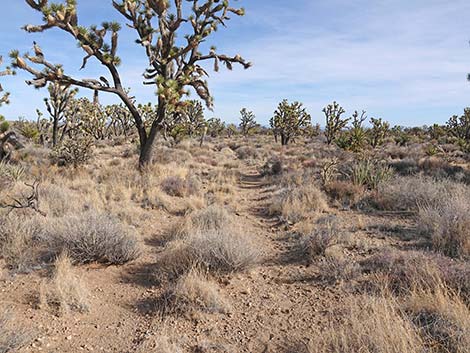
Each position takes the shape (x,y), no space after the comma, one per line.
(59,97)
(173,66)
(120,120)
(289,121)
(247,122)
(357,133)
(4,96)
(378,132)
(459,127)
(4,125)
(436,132)
(193,117)
(334,122)
(215,127)
(231,130)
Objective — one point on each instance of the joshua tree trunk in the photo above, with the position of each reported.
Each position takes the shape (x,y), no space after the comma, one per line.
(55,127)
(284,139)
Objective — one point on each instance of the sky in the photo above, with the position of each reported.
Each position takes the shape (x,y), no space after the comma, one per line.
(405,61)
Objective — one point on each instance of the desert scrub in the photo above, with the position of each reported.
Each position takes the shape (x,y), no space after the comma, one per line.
(407,193)
(12,339)
(92,237)
(294,204)
(65,291)
(11,172)
(225,250)
(179,187)
(441,317)
(195,291)
(324,235)
(19,245)
(405,271)
(73,152)
(369,325)
(370,173)
(213,217)
(447,224)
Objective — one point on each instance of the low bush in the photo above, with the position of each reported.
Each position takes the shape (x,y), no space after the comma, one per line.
(12,339)
(447,224)
(404,271)
(73,152)
(407,193)
(225,250)
(214,217)
(324,235)
(369,325)
(91,237)
(370,173)
(296,203)
(442,319)
(194,291)
(65,291)
(179,187)
(345,192)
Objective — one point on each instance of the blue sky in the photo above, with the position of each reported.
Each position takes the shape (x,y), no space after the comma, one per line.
(404,61)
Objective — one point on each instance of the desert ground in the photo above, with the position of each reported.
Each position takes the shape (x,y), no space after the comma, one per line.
(238,245)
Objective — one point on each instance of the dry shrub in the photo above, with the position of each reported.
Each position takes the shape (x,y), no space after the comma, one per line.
(448,225)
(247,152)
(179,187)
(273,166)
(214,217)
(442,318)
(225,250)
(405,271)
(324,235)
(165,345)
(345,192)
(58,200)
(91,237)
(65,291)
(174,186)
(402,270)
(336,267)
(12,339)
(297,203)
(370,325)
(406,193)
(18,242)
(194,291)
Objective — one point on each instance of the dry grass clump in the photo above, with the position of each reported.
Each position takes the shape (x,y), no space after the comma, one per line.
(65,291)
(407,193)
(213,217)
(345,192)
(370,325)
(336,267)
(294,204)
(91,237)
(179,187)
(163,344)
(404,271)
(11,339)
(442,318)
(194,291)
(225,250)
(18,242)
(324,235)
(58,200)
(247,152)
(448,225)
